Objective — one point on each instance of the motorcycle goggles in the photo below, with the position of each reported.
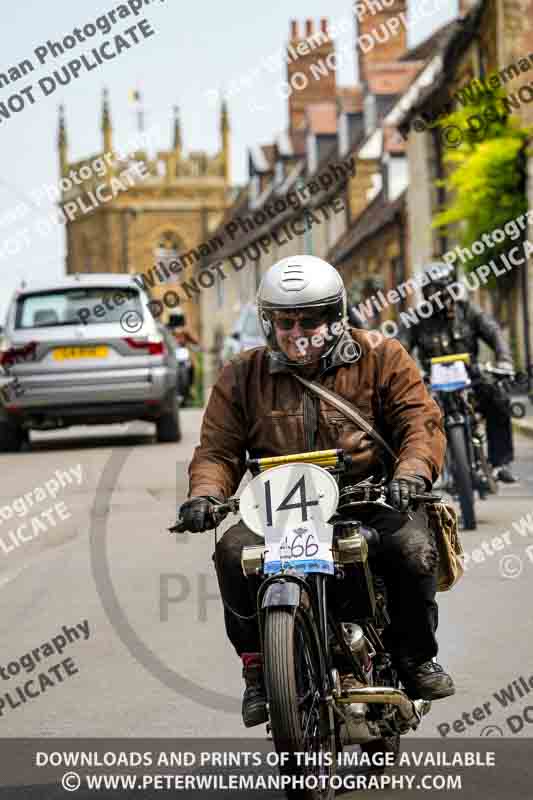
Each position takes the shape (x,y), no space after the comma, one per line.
(313,320)
(308,323)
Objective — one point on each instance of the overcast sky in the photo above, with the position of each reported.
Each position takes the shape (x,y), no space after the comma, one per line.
(197,50)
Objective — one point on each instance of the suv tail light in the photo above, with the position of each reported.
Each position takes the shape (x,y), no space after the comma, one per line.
(12,355)
(155,347)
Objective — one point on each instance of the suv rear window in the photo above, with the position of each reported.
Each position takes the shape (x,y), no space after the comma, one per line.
(76,306)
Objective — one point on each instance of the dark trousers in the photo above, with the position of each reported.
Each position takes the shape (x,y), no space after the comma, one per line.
(495,405)
(407,562)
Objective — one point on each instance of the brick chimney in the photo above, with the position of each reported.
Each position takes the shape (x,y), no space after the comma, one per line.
(381,35)
(310,68)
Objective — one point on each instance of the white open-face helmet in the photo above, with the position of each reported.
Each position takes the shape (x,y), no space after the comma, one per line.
(306,285)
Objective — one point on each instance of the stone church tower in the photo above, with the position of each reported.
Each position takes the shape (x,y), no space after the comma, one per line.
(168,210)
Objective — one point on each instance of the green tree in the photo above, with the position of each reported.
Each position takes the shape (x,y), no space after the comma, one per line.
(485,186)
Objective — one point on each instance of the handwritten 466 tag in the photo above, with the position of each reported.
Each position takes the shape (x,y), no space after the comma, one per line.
(300,542)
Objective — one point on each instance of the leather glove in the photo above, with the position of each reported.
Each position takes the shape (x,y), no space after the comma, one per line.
(401,490)
(197,514)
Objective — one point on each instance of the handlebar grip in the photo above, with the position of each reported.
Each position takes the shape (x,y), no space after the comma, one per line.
(219,513)
(178,527)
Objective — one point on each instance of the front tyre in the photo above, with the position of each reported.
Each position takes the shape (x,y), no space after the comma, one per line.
(462,475)
(300,721)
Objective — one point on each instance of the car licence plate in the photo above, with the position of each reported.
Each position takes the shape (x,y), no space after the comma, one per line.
(64,353)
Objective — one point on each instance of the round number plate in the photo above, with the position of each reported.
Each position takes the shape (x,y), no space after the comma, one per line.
(286,496)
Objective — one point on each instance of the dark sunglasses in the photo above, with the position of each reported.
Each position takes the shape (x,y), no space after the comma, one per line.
(306,323)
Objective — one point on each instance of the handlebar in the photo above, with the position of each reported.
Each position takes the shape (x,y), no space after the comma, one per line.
(497,372)
(178,527)
(223,509)
(220,512)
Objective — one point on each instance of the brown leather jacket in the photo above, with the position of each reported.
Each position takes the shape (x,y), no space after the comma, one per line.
(257,406)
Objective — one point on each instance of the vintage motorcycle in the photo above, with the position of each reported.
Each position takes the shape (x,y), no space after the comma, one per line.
(322,610)
(466,469)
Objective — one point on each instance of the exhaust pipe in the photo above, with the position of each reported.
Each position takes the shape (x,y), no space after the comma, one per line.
(411,711)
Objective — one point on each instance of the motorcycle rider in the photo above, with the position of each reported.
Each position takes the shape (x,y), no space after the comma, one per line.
(356,319)
(258,406)
(184,339)
(457,327)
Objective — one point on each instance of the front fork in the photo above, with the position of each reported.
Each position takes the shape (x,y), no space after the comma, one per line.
(292,591)
(475,443)
(480,468)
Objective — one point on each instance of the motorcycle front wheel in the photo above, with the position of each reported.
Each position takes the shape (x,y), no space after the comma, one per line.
(301,721)
(462,475)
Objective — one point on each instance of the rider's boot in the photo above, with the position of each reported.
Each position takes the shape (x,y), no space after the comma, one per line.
(254,710)
(504,475)
(425,681)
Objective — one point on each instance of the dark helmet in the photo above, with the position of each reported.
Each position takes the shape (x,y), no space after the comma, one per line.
(441,275)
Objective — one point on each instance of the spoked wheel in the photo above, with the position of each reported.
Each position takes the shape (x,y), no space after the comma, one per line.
(300,721)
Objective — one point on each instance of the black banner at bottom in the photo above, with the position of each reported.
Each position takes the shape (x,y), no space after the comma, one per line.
(488,768)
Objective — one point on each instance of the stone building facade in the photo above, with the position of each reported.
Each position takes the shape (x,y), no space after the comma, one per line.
(289,167)
(488,37)
(328,126)
(169,211)
(383,231)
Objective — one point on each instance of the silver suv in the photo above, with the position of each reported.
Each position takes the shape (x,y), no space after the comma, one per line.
(246,334)
(85,351)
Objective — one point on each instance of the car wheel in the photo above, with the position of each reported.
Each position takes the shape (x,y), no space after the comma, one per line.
(168,425)
(518,409)
(12,437)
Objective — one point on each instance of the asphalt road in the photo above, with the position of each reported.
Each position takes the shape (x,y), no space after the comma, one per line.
(156,662)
